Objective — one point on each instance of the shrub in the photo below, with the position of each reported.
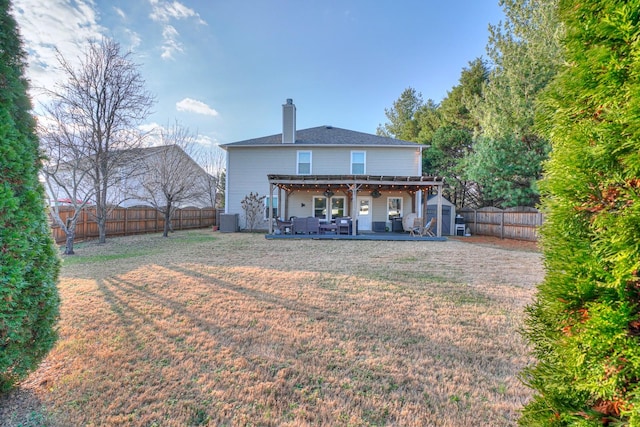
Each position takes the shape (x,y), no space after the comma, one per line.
(28,261)
(253,206)
(584,325)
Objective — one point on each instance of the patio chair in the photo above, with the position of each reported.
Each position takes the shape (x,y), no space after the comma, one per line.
(299,225)
(428,229)
(416,228)
(285,227)
(313,225)
(407,221)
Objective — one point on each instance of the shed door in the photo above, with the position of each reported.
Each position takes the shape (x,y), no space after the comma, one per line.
(432,211)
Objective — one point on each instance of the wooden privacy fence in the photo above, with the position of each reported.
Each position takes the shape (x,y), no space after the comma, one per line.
(513,223)
(134,220)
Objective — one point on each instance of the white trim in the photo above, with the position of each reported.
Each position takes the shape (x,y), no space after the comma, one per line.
(364,160)
(310,162)
(344,206)
(361,225)
(401,205)
(227,161)
(313,205)
(274,208)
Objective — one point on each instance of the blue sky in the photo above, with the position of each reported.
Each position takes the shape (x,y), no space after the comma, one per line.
(224,68)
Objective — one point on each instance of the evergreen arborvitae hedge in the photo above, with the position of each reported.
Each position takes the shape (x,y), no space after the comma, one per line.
(584,325)
(28,259)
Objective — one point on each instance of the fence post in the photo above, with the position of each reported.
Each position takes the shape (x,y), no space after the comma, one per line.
(126,221)
(475,221)
(84,222)
(502,224)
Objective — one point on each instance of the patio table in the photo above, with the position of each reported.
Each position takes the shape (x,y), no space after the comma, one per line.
(328,227)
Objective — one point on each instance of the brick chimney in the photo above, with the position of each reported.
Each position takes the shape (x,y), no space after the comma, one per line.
(289,122)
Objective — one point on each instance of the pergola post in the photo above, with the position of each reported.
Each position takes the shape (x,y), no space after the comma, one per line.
(439,213)
(354,208)
(271,187)
(425,197)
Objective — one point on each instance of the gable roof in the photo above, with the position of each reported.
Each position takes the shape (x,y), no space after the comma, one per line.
(323,135)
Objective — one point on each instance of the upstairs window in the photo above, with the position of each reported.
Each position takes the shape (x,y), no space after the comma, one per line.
(358,160)
(304,163)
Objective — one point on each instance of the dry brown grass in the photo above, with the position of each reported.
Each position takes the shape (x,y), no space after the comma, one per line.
(233,329)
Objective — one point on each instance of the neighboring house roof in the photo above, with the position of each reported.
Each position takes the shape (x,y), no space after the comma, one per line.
(323,135)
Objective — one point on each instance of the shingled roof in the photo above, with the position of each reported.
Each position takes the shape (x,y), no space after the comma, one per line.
(324,135)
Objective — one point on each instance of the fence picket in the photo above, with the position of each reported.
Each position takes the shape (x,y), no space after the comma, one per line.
(134,220)
(519,224)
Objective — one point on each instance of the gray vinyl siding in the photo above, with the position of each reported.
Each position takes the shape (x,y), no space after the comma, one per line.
(247,172)
(248,168)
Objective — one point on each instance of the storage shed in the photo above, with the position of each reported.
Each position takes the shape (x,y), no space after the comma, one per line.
(448,214)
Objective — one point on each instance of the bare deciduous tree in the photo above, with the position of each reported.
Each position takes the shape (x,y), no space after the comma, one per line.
(169,177)
(214,162)
(66,175)
(95,112)
(253,206)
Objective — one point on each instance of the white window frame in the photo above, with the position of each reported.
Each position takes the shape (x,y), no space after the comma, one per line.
(327,204)
(401,205)
(344,206)
(364,162)
(275,208)
(298,163)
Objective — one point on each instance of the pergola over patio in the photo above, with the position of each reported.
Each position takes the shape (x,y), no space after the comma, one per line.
(418,187)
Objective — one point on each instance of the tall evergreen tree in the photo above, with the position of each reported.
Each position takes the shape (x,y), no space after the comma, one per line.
(402,122)
(456,107)
(525,56)
(28,261)
(584,325)
(452,142)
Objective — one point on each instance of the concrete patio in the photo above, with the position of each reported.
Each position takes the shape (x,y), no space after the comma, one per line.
(365,235)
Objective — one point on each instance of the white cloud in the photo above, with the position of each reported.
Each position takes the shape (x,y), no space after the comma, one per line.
(120,12)
(195,106)
(153,136)
(206,141)
(150,127)
(166,11)
(171,44)
(152,133)
(49,24)
(134,39)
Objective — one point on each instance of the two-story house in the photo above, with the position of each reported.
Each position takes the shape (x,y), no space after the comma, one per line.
(328,172)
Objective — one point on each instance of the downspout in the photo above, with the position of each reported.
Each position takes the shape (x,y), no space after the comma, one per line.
(226,183)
